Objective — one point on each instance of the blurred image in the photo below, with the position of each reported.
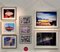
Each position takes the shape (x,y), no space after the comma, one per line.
(46,39)
(9,27)
(25,39)
(25,20)
(8,13)
(25,29)
(9,41)
(46,18)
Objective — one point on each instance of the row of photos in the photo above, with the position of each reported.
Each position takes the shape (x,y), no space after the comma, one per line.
(43,38)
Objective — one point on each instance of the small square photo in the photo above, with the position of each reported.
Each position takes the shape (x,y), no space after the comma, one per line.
(25,29)
(8,28)
(25,20)
(9,41)
(9,13)
(25,39)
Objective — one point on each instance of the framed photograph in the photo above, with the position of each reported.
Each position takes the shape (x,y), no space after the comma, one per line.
(9,13)
(46,19)
(9,41)
(46,39)
(25,29)
(25,39)
(25,20)
(8,27)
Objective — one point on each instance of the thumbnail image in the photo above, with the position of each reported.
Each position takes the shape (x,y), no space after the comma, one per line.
(46,39)
(9,26)
(8,13)
(25,29)
(25,20)
(9,41)
(46,18)
(25,39)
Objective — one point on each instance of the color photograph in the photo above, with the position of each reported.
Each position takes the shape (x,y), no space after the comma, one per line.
(46,18)
(9,41)
(9,13)
(46,39)
(8,27)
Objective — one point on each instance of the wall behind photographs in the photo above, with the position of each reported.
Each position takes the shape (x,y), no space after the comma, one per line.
(29,7)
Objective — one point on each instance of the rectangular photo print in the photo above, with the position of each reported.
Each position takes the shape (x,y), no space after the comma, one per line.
(46,19)
(8,27)
(25,29)
(25,20)
(9,13)
(46,39)
(25,39)
(9,41)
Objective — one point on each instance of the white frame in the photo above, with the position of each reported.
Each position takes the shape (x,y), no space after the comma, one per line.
(45,26)
(15,13)
(47,31)
(8,47)
(3,29)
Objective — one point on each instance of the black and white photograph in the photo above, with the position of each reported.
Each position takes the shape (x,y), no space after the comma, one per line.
(25,29)
(25,39)
(25,20)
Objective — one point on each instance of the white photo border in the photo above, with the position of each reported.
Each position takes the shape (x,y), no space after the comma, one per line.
(15,13)
(47,46)
(8,47)
(44,27)
(3,29)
